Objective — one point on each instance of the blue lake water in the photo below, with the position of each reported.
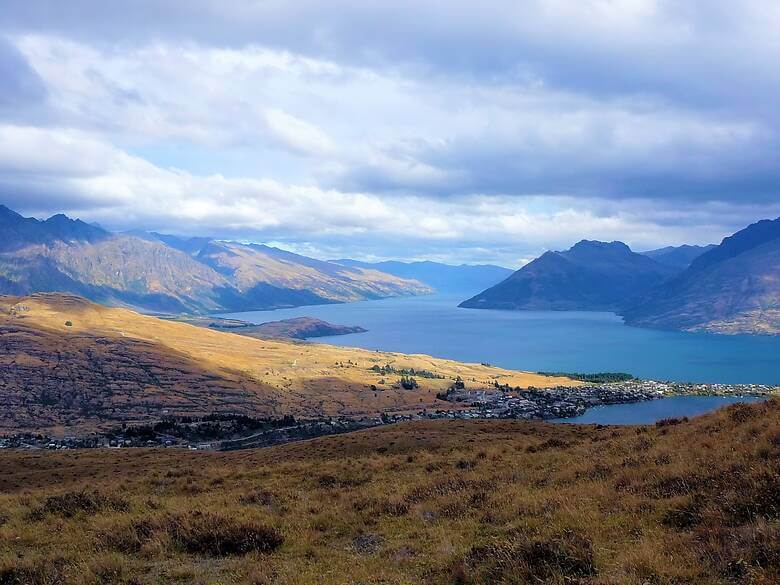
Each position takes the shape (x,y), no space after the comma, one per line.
(544,340)
(652,410)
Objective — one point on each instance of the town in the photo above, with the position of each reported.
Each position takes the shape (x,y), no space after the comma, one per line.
(224,432)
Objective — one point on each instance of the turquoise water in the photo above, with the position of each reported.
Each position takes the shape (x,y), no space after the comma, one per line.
(544,340)
(652,410)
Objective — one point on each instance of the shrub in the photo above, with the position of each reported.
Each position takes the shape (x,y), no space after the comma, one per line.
(68,323)
(686,515)
(70,504)
(198,533)
(216,535)
(260,498)
(565,556)
(34,570)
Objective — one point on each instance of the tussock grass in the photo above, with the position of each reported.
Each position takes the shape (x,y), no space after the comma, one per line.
(440,502)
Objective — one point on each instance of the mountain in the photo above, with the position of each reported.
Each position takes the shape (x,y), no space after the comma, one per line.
(160,273)
(678,256)
(733,288)
(444,278)
(254,265)
(589,276)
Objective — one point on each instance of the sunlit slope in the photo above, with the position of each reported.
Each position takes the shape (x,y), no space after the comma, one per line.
(179,367)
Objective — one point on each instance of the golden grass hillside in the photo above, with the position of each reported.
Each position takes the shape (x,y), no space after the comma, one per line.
(444,502)
(63,354)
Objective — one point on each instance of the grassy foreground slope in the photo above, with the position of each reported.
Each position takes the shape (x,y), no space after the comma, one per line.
(67,362)
(439,502)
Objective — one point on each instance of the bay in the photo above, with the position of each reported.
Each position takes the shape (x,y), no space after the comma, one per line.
(650,411)
(570,341)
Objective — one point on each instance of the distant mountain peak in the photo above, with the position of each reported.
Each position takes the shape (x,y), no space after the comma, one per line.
(678,256)
(599,245)
(591,275)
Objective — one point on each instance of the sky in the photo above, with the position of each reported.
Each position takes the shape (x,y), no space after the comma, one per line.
(406,129)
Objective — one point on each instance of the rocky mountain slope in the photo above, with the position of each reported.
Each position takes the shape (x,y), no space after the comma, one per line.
(444,278)
(733,288)
(589,276)
(67,363)
(678,256)
(168,274)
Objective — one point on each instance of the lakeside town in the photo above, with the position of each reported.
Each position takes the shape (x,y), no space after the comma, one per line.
(229,432)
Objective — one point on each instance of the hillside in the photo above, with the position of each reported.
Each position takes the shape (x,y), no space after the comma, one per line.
(733,288)
(253,266)
(160,273)
(443,502)
(678,256)
(68,363)
(589,276)
(443,278)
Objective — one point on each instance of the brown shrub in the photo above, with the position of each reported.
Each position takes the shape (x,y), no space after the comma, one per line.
(671,486)
(197,533)
(685,515)
(758,496)
(70,504)
(743,554)
(34,570)
(519,559)
(258,498)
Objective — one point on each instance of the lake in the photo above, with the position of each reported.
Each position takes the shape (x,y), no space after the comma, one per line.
(571,341)
(648,412)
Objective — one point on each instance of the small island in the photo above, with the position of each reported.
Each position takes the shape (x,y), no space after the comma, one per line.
(296,328)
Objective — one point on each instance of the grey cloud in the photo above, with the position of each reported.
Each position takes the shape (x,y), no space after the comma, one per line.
(637,109)
(22,86)
(707,51)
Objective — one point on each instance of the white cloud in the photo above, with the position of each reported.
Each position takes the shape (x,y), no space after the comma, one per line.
(122,190)
(298,135)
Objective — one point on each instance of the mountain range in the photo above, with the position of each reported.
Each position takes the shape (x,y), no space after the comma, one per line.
(733,287)
(444,278)
(160,273)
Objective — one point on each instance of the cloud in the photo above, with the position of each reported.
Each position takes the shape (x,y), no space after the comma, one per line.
(365,130)
(98,182)
(403,128)
(299,136)
(21,85)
